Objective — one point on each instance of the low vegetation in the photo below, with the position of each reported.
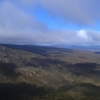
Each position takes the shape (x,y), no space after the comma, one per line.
(48,73)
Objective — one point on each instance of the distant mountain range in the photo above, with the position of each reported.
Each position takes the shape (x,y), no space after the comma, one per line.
(80,47)
(95,47)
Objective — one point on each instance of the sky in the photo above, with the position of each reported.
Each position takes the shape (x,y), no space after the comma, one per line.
(50,22)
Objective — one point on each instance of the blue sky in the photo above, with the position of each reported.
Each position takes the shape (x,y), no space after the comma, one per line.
(50,22)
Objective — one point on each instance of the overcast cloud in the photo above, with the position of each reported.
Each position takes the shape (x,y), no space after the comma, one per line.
(78,11)
(17,27)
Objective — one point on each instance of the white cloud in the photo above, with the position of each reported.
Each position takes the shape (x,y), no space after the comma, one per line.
(82,34)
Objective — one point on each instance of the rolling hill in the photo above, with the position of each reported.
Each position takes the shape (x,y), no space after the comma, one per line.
(31,72)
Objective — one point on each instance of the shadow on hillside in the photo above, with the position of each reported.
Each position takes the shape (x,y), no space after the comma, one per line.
(41,50)
(8,70)
(77,69)
(25,91)
(48,63)
(22,91)
(86,69)
(90,66)
(86,89)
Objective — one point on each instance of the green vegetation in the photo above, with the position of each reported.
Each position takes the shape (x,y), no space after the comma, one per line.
(48,73)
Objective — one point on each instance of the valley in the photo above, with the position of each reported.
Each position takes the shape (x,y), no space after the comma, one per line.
(31,72)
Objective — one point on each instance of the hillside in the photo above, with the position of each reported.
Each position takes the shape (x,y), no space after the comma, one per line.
(30,72)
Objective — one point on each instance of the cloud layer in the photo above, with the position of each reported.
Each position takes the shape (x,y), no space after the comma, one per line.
(84,12)
(17,27)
